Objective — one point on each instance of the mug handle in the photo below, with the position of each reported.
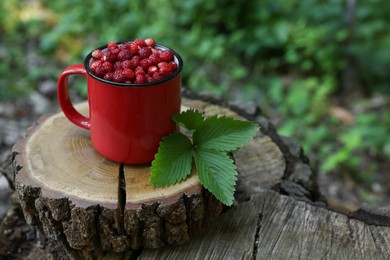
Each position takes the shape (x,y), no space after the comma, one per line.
(63,96)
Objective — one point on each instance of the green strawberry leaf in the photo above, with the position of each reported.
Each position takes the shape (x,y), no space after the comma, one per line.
(212,139)
(223,133)
(217,173)
(190,119)
(173,161)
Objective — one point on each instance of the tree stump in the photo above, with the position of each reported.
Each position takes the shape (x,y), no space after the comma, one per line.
(104,211)
(94,206)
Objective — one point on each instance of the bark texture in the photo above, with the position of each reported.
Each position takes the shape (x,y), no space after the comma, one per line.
(102,210)
(94,206)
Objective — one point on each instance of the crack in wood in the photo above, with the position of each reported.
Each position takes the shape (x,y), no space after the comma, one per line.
(257,235)
(121,199)
(129,254)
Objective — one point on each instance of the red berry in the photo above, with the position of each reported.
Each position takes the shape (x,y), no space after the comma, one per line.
(139,42)
(112,45)
(145,52)
(117,65)
(133,65)
(109,76)
(150,42)
(166,69)
(134,49)
(107,66)
(97,54)
(95,64)
(135,62)
(125,46)
(116,51)
(128,74)
(100,71)
(110,56)
(152,70)
(139,70)
(163,63)
(126,64)
(124,55)
(149,78)
(155,58)
(139,79)
(145,64)
(158,76)
(167,55)
(173,66)
(118,76)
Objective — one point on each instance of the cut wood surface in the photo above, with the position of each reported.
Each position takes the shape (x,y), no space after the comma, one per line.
(273,226)
(94,205)
(102,210)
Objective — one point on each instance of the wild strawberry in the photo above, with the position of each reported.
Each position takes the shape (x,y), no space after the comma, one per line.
(145,52)
(118,76)
(155,58)
(139,79)
(107,66)
(166,69)
(133,62)
(152,70)
(115,51)
(110,56)
(97,54)
(100,71)
(126,64)
(150,42)
(128,74)
(139,42)
(145,64)
(124,55)
(139,70)
(161,64)
(125,46)
(158,76)
(173,66)
(109,76)
(95,64)
(117,65)
(167,55)
(134,49)
(149,78)
(112,45)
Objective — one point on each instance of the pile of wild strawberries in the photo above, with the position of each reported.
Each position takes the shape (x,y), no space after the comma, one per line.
(134,62)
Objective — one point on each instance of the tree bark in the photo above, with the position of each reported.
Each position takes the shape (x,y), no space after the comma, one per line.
(94,206)
(99,209)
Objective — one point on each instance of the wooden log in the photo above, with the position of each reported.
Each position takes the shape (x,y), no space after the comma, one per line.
(278,213)
(94,206)
(269,225)
(274,226)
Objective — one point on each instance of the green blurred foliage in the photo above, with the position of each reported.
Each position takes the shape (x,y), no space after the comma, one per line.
(287,56)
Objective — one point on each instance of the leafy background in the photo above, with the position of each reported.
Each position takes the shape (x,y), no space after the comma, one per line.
(319,69)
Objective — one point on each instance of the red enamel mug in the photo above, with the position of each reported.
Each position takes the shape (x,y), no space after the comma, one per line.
(126,121)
